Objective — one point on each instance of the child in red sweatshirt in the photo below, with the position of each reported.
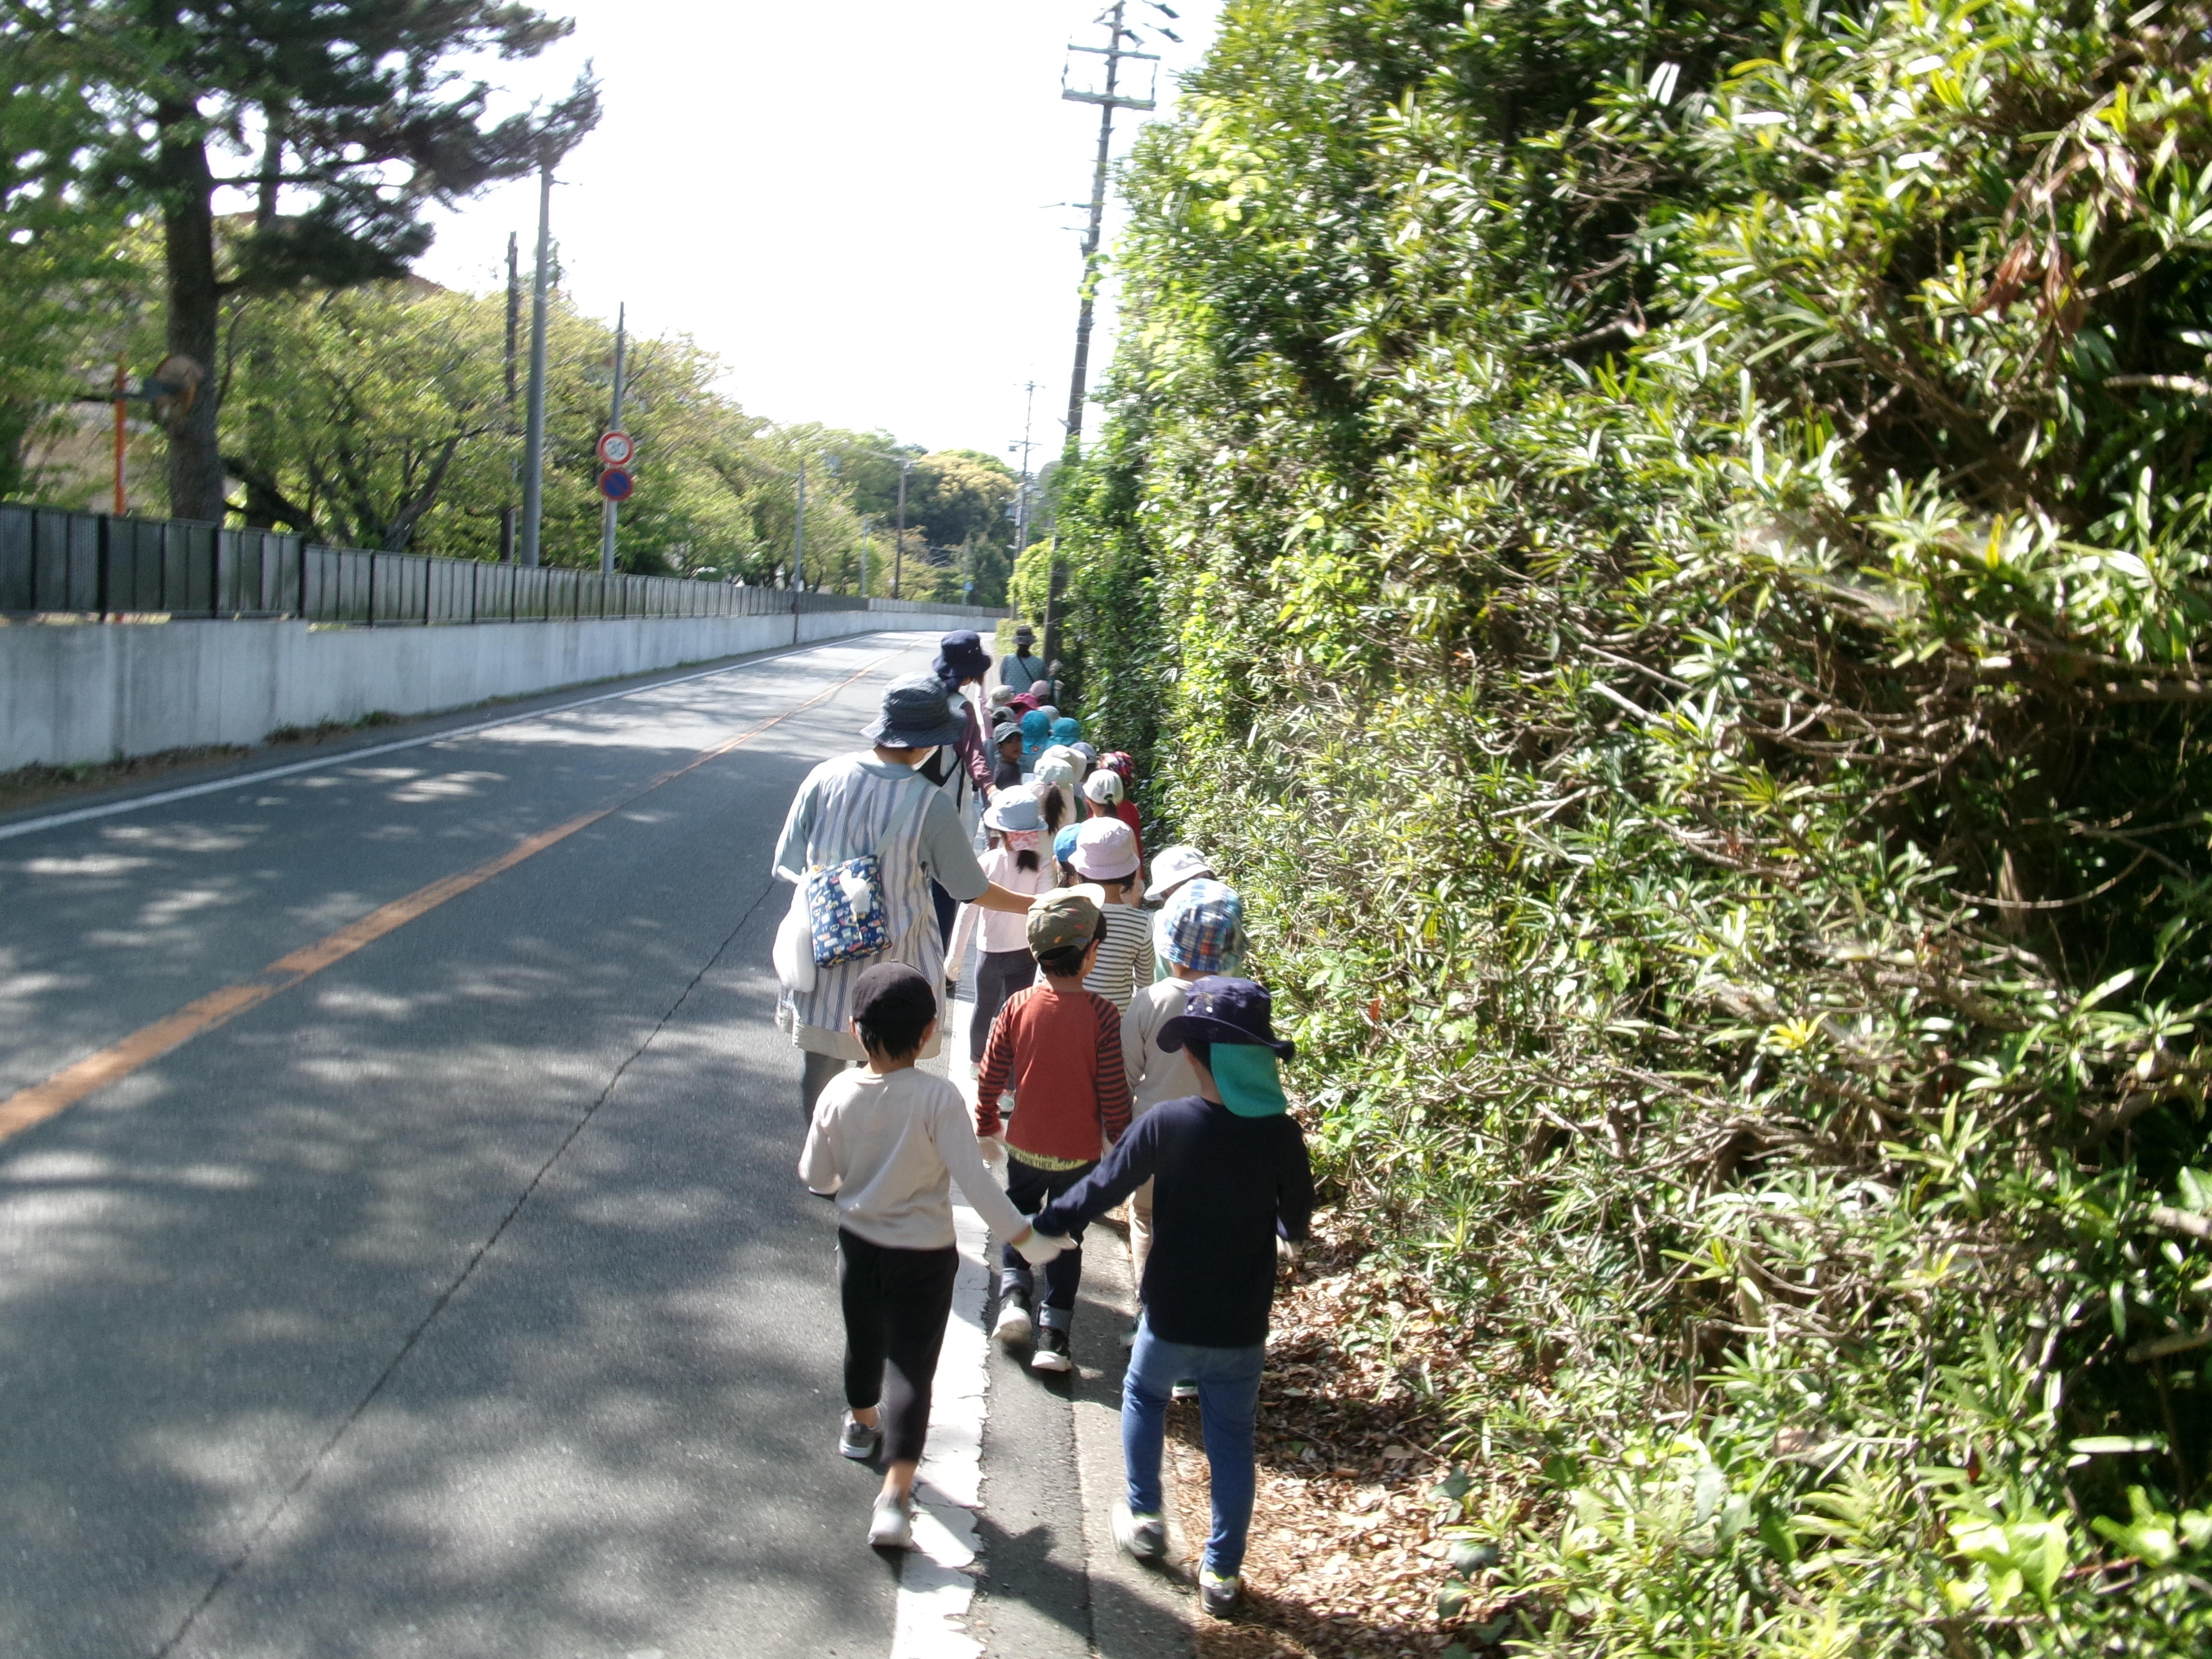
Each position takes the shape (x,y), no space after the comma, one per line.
(1061,1047)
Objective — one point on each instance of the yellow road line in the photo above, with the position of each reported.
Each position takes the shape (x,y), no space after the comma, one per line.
(58,1093)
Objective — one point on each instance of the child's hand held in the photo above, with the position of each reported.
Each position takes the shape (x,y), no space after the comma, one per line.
(1040,1247)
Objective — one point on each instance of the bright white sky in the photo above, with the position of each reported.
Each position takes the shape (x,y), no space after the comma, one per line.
(848,204)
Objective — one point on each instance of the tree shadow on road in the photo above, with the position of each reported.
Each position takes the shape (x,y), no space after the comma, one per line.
(270,1393)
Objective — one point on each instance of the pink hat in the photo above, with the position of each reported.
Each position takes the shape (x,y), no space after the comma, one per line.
(1105,850)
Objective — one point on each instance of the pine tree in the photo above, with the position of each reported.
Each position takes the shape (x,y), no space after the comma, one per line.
(351,112)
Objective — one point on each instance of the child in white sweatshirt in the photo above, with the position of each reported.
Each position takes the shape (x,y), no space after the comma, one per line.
(887,1142)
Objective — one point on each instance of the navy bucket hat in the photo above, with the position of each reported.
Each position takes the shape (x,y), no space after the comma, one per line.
(917,713)
(960,656)
(1220,1010)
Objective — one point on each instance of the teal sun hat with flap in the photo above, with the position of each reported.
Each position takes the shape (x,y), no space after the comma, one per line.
(1228,1026)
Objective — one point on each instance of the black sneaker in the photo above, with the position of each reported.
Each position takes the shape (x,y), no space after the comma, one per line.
(1050,1351)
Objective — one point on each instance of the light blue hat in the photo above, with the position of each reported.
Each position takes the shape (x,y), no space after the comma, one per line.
(1012,811)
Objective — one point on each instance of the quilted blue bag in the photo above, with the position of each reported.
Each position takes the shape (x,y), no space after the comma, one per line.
(845,910)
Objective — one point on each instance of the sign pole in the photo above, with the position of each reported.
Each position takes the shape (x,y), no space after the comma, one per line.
(614,425)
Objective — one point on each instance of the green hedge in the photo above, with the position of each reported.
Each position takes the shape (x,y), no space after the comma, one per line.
(1664,547)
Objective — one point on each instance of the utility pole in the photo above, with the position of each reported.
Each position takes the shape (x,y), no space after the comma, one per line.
(533,441)
(614,425)
(122,433)
(1107,101)
(898,566)
(513,335)
(1022,497)
(799,552)
(799,534)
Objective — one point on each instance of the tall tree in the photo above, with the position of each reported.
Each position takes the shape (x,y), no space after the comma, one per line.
(351,110)
(66,275)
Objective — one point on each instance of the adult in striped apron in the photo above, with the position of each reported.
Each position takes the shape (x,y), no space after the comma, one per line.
(876,801)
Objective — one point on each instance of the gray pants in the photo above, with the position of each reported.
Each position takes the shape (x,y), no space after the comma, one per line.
(820,1068)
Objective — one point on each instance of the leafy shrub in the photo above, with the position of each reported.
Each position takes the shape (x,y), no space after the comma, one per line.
(1664,549)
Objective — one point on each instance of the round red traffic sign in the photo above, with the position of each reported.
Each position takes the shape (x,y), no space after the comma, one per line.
(616,449)
(616,484)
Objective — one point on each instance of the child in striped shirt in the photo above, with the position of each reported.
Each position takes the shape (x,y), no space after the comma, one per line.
(1106,854)
(1060,1049)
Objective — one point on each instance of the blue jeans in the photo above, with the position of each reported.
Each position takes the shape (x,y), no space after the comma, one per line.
(1228,1402)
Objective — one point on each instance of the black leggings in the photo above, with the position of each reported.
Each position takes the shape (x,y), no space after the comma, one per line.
(895,1305)
(999,975)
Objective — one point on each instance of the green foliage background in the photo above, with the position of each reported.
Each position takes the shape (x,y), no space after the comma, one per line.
(377,416)
(1664,547)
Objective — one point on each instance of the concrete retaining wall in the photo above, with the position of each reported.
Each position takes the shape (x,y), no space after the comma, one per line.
(72,693)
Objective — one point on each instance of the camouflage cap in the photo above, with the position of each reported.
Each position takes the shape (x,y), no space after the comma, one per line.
(1066,918)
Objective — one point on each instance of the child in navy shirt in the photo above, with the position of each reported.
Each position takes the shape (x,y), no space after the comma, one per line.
(1230,1176)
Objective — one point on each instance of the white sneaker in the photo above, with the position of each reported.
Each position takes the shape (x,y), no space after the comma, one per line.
(1145,1536)
(1218,1594)
(891,1526)
(1014,1324)
(856,1441)
(1050,1353)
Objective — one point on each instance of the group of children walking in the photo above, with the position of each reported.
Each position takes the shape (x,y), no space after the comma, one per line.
(1119,1059)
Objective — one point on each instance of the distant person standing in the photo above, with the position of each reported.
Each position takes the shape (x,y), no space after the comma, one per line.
(1024,668)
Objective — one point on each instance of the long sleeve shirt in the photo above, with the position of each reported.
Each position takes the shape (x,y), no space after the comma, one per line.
(888,1148)
(1127,811)
(1155,1074)
(1125,956)
(973,751)
(1062,1050)
(1008,930)
(1223,1186)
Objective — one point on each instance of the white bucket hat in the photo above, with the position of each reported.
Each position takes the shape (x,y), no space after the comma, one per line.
(1176,865)
(1105,850)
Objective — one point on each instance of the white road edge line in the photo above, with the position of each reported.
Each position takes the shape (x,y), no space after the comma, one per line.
(935,1587)
(160,797)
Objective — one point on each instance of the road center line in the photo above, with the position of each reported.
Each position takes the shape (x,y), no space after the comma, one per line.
(38,1102)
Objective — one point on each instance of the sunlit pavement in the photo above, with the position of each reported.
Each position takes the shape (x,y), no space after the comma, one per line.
(458,1300)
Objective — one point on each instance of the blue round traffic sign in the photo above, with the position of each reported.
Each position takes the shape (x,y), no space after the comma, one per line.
(616,484)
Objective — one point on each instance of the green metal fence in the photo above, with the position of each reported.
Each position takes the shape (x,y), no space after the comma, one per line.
(53,561)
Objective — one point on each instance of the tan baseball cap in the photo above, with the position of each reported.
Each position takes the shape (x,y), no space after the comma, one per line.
(1064,918)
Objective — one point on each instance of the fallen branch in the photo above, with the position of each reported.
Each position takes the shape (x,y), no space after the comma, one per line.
(2181,1221)
(2187,385)
(2179,1342)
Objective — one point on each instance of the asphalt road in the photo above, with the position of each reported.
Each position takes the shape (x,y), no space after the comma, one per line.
(458,1300)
